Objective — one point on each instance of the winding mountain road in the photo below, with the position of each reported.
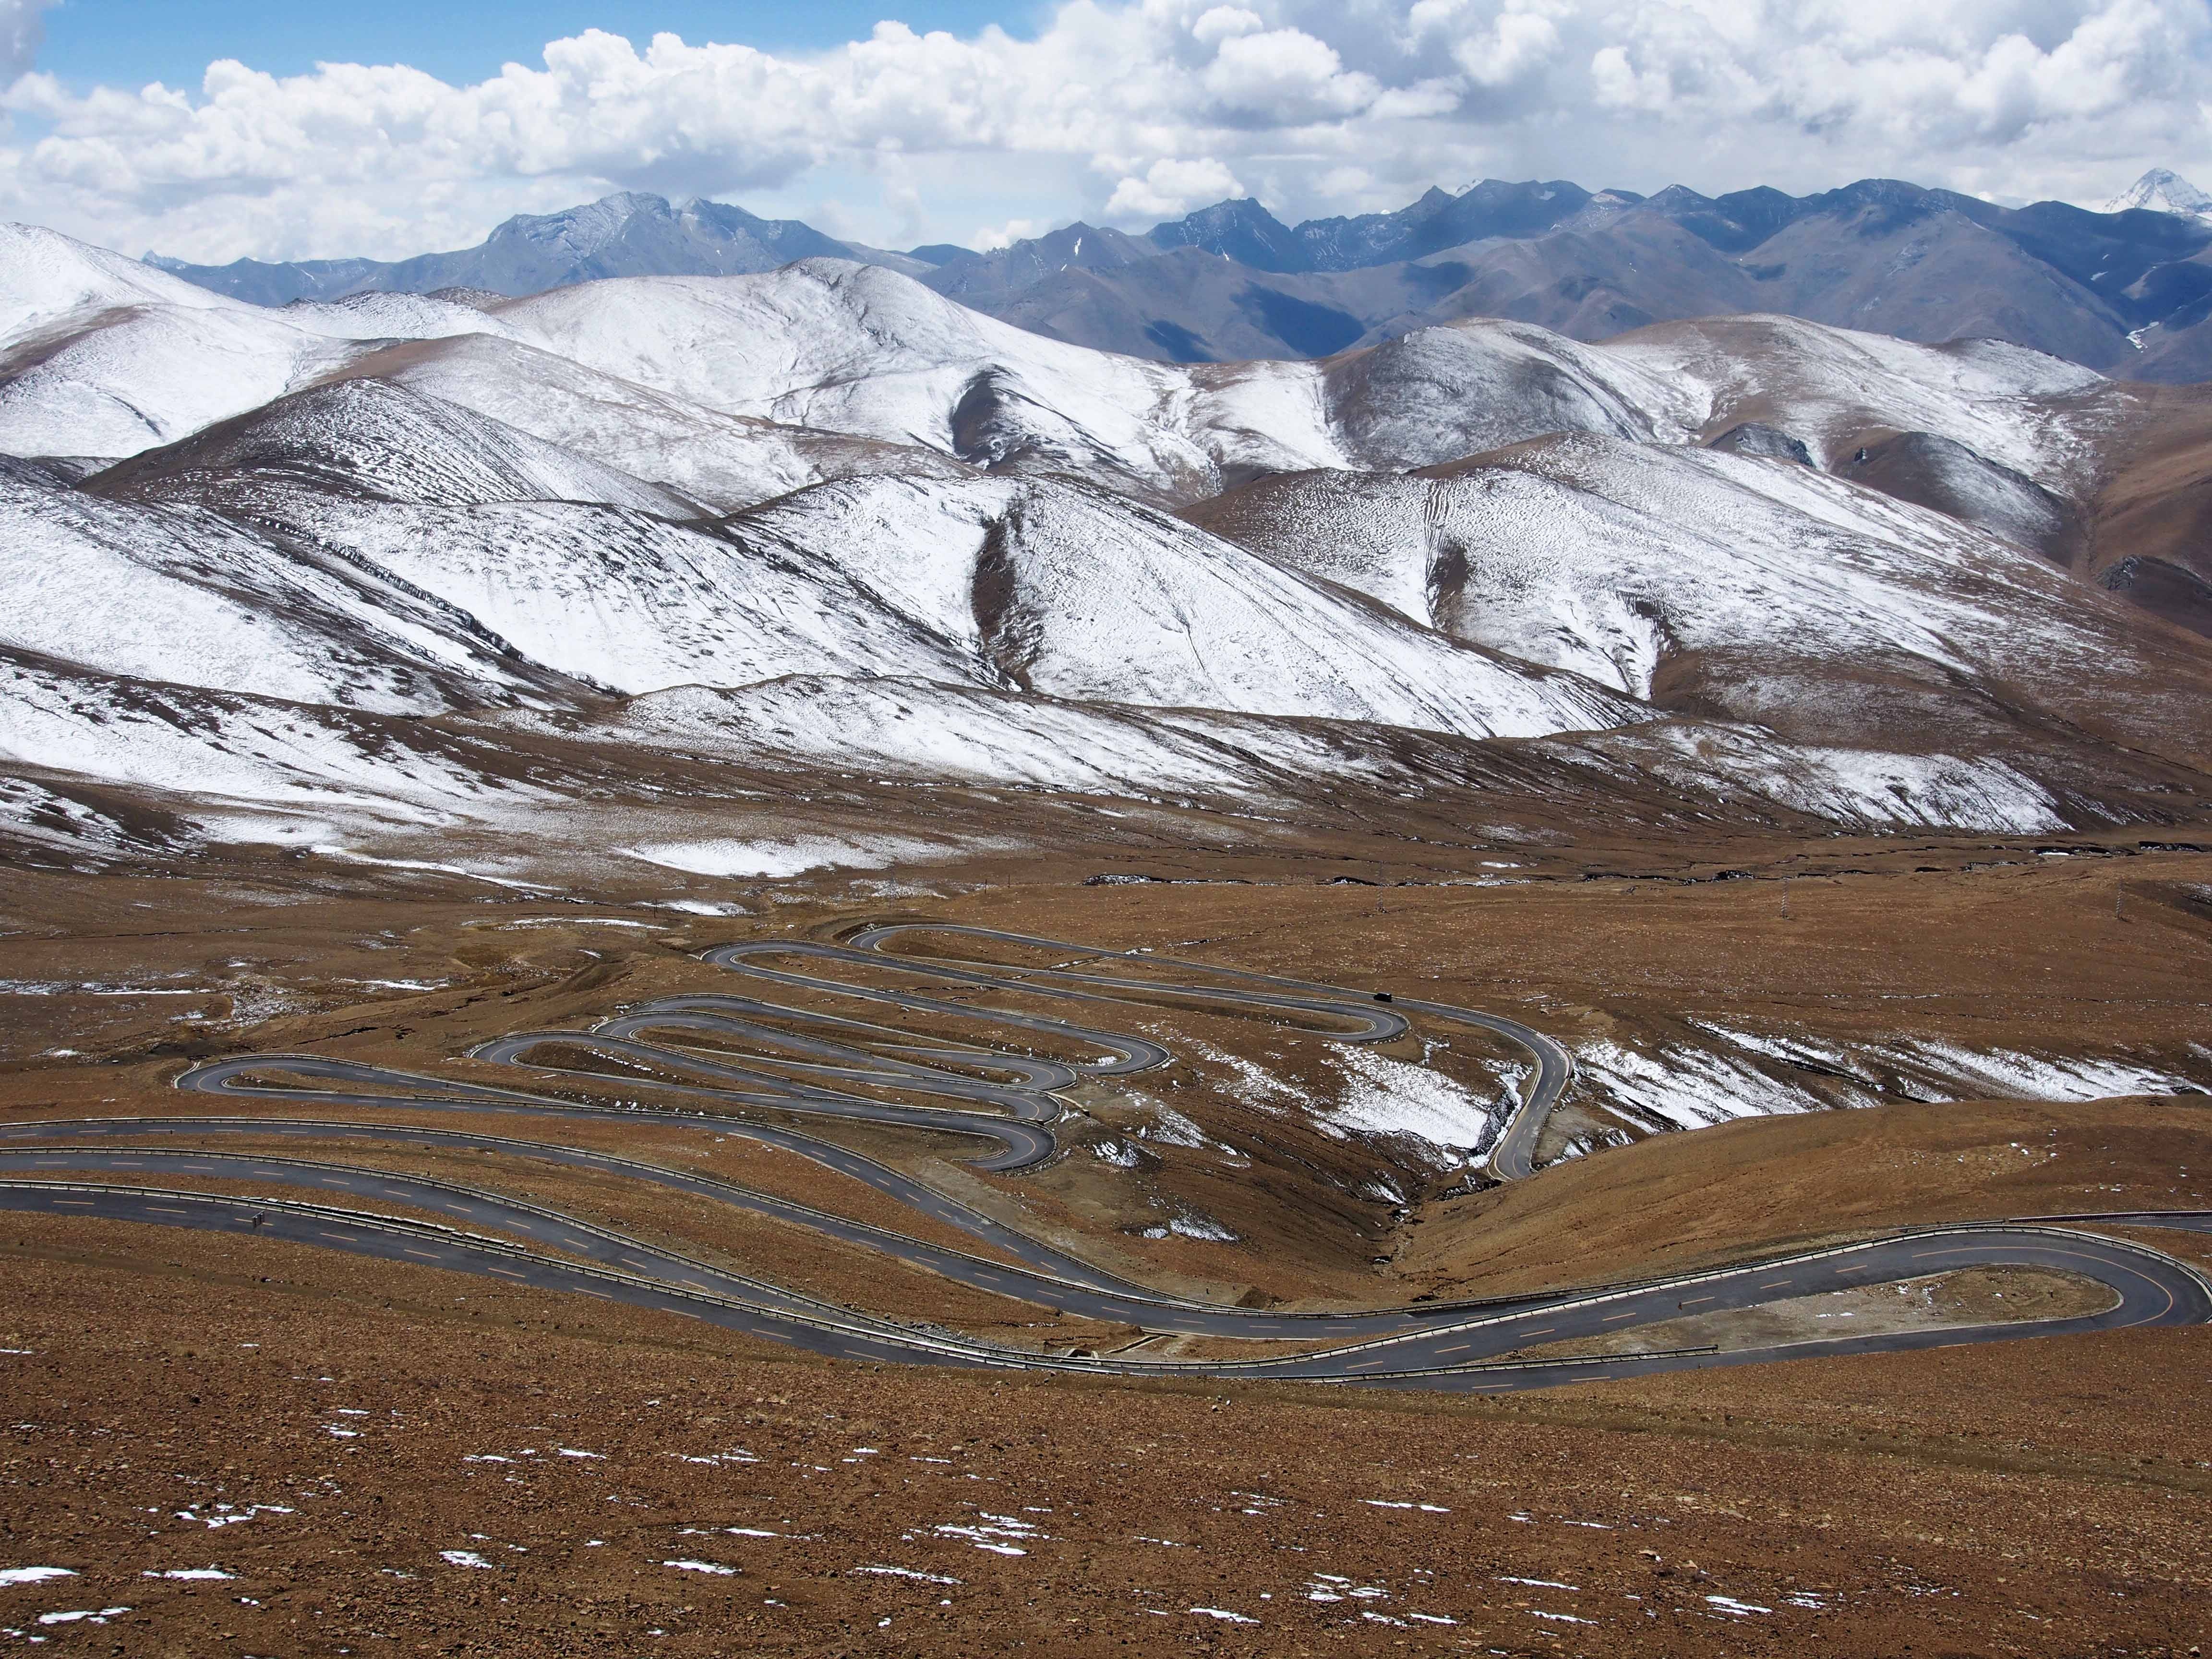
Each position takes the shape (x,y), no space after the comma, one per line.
(1008,1100)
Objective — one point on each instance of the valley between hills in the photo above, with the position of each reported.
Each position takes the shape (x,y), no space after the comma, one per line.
(753,963)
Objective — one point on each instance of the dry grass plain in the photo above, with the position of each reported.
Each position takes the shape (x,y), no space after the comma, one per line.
(2045,1497)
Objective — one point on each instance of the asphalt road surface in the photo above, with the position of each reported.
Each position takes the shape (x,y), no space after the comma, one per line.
(1002,1096)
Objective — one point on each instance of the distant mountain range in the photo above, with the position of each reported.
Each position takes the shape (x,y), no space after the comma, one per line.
(2126,292)
(629,235)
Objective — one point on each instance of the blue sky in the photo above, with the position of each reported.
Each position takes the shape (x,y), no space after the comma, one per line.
(130,42)
(1118,111)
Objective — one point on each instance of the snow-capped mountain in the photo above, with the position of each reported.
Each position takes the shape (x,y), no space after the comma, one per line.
(627,370)
(2163,190)
(341,558)
(578,570)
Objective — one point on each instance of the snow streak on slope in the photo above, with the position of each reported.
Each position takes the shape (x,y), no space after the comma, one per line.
(1717,1073)
(915,730)
(920,730)
(271,755)
(1386,1096)
(771,858)
(1865,789)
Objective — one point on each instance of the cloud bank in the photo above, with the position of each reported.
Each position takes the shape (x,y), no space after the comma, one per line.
(1128,111)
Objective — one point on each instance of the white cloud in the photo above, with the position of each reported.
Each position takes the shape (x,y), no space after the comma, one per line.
(1225,23)
(1282,77)
(989,239)
(1170,188)
(1133,108)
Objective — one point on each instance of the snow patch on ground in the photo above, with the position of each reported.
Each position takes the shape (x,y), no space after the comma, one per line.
(794,855)
(1201,1227)
(2009,1075)
(1684,1085)
(1686,1088)
(1381,1095)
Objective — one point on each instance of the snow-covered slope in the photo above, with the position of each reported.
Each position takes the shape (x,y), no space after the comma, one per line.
(726,461)
(101,355)
(857,349)
(48,276)
(1834,388)
(381,441)
(327,499)
(1440,394)
(177,594)
(607,595)
(862,350)
(118,382)
(733,389)
(823,513)
(627,600)
(1715,581)
(927,730)
(1064,589)
(236,751)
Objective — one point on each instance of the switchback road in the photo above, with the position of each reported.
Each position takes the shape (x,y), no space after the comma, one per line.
(746,1054)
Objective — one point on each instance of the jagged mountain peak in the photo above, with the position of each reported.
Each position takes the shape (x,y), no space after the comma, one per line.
(1242,230)
(629,234)
(588,228)
(2161,190)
